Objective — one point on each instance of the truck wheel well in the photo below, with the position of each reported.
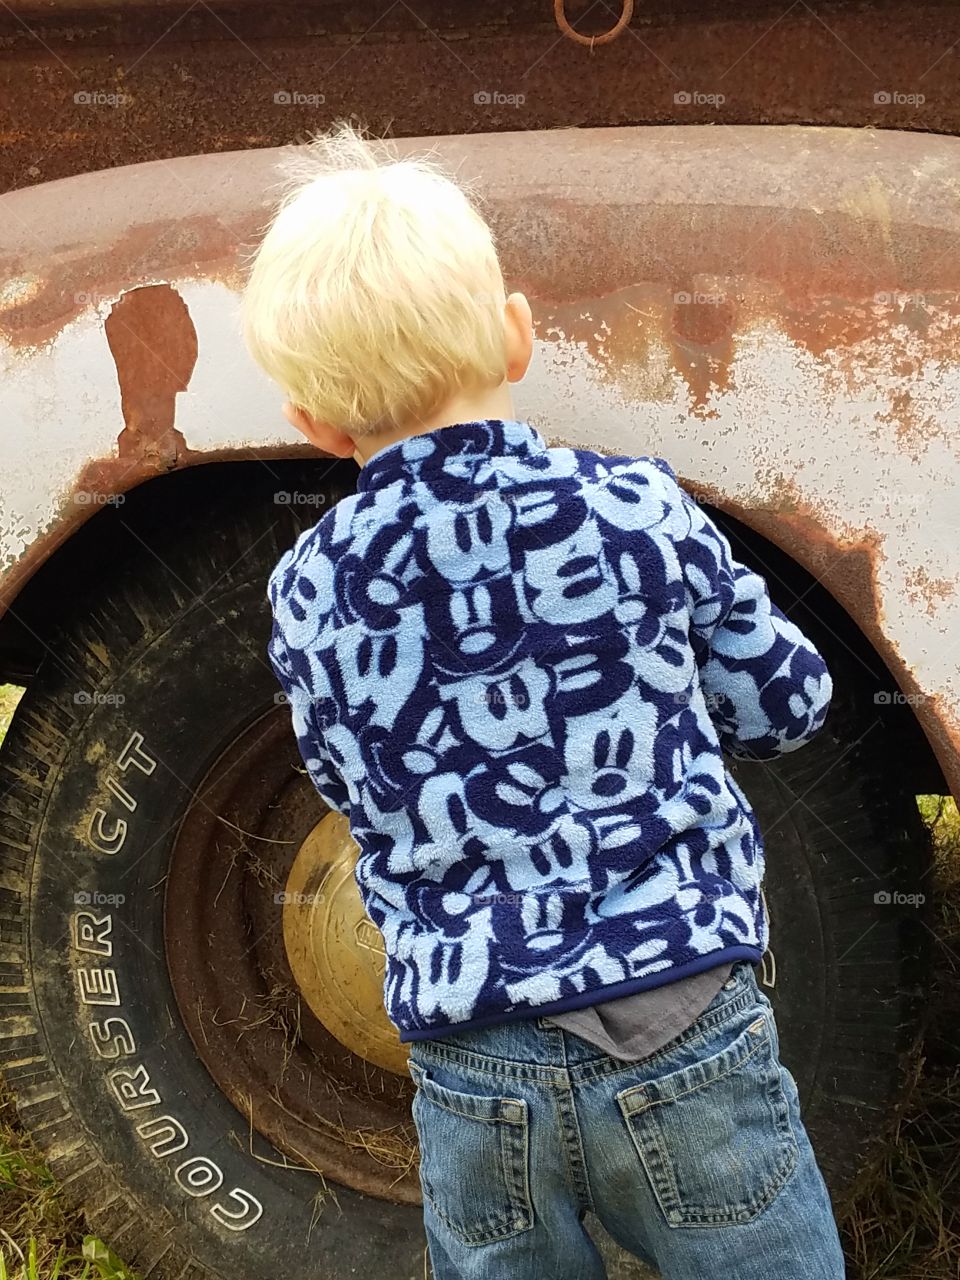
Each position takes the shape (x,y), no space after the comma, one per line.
(67,580)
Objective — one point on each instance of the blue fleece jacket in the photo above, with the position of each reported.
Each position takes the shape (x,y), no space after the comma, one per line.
(515,668)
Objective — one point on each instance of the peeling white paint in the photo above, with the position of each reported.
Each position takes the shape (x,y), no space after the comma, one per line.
(790,416)
(825,425)
(228,402)
(59,406)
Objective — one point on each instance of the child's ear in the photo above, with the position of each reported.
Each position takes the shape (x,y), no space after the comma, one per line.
(518,336)
(322,434)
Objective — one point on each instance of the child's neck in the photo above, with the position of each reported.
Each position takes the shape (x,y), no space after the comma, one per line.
(476,407)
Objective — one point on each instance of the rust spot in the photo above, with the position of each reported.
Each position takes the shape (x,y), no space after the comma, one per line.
(927,591)
(70,279)
(628,332)
(844,565)
(701,338)
(622,332)
(881,341)
(154,346)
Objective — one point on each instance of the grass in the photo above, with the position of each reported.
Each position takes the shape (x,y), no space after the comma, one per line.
(903,1219)
(95,1261)
(40,1238)
(9,697)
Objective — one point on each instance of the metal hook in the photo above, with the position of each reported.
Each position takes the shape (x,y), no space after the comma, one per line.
(560,12)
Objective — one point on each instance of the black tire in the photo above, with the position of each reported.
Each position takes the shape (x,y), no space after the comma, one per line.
(173,649)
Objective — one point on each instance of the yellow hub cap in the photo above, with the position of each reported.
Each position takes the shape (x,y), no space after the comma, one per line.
(334,949)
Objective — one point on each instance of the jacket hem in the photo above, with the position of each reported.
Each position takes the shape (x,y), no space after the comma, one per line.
(598,995)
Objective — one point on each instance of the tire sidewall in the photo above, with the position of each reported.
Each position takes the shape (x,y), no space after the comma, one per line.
(108,1012)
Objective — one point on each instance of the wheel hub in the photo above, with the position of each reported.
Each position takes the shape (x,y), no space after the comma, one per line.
(334,949)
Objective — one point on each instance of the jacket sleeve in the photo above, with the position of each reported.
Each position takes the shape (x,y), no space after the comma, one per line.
(308,727)
(767,689)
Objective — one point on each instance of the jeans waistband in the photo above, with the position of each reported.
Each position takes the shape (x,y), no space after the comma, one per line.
(524,1050)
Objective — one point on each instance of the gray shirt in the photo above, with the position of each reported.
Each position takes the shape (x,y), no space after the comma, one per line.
(634,1026)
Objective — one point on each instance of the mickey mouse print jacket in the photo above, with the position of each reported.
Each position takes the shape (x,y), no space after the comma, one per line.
(516,669)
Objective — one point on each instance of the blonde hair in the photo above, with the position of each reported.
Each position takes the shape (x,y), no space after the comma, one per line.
(376,294)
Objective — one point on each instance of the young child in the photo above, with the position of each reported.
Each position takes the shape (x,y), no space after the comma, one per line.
(516,668)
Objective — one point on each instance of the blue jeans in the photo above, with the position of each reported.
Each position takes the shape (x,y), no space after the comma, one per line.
(695,1159)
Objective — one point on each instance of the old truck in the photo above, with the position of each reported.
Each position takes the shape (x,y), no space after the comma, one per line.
(739,228)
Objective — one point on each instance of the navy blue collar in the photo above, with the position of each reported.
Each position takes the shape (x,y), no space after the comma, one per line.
(457,449)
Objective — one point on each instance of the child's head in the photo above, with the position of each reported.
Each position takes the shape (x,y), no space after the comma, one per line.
(376,299)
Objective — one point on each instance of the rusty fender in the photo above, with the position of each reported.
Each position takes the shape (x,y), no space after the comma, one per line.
(773,309)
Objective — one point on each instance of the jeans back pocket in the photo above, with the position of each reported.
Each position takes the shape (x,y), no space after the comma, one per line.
(474,1160)
(716,1138)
